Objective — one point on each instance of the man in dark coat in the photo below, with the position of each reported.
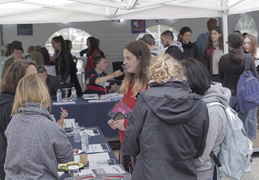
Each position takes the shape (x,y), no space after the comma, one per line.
(174,48)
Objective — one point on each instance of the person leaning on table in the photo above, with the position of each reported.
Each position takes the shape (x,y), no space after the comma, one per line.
(36,144)
(168,127)
(96,78)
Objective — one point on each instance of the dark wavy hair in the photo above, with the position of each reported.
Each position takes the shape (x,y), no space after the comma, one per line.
(93,45)
(13,75)
(60,39)
(235,40)
(197,75)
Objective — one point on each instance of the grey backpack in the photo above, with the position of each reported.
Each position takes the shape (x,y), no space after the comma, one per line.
(234,157)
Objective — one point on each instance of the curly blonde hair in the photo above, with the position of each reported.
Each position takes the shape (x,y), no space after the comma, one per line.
(163,68)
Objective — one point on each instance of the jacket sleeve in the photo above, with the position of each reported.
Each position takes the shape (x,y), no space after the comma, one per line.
(63,149)
(215,127)
(204,133)
(134,127)
(67,60)
(221,74)
(252,66)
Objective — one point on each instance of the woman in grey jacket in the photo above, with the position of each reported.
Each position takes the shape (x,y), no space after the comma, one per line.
(36,144)
(168,126)
(200,83)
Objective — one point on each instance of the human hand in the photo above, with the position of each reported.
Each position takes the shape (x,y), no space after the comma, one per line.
(61,122)
(52,58)
(120,124)
(113,88)
(111,123)
(117,73)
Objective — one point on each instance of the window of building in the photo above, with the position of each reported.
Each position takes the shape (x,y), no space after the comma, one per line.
(247,24)
(156,32)
(77,36)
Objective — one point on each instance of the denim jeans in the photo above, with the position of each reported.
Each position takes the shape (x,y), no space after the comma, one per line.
(252,123)
(241,115)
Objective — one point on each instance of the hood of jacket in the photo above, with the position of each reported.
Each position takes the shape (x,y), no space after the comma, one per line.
(32,108)
(217,93)
(178,44)
(172,102)
(6,98)
(157,51)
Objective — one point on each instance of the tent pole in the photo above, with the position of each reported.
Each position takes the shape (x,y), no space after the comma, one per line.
(225,25)
(2,40)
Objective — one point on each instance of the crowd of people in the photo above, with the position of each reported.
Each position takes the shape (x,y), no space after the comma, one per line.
(170,132)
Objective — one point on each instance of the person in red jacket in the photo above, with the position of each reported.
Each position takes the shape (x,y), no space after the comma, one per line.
(136,60)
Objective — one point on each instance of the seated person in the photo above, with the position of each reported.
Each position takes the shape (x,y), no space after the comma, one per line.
(52,81)
(30,152)
(96,79)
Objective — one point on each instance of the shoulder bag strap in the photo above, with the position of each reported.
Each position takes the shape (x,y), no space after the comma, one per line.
(247,63)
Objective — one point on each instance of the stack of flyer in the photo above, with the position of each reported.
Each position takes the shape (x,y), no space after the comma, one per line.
(113,172)
(90,96)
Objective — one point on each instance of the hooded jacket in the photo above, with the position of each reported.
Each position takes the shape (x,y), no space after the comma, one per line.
(217,129)
(36,145)
(6,103)
(190,50)
(166,131)
(156,51)
(175,50)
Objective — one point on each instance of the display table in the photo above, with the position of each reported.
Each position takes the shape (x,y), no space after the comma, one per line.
(88,114)
(97,139)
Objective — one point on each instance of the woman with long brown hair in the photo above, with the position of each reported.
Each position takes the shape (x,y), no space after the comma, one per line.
(136,60)
(9,83)
(213,52)
(251,47)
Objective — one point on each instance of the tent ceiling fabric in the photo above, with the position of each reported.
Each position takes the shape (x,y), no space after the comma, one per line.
(55,11)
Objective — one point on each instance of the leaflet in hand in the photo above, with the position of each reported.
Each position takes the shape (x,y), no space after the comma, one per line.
(119,111)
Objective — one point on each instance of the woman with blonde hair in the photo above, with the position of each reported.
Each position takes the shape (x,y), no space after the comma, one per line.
(168,127)
(41,142)
(136,60)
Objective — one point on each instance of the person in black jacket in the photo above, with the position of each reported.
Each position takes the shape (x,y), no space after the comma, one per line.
(174,48)
(189,49)
(52,82)
(62,59)
(73,70)
(168,127)
(9,83)
(231,66)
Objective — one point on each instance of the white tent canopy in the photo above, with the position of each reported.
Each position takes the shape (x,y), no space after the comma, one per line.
(55,11)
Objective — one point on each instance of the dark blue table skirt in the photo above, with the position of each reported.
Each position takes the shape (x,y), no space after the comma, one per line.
(88,114)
